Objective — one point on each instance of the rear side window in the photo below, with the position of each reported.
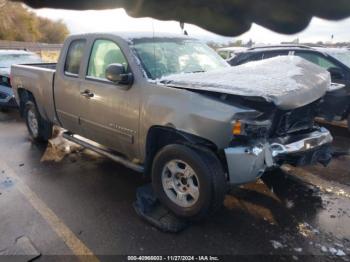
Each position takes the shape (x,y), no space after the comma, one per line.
(104,53)
(245,58)
(272,54)
(74,57)
(316,59)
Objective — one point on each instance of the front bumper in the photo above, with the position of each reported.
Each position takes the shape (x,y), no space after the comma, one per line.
(248,163)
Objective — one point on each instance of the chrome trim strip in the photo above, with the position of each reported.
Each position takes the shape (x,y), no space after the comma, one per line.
(313,140)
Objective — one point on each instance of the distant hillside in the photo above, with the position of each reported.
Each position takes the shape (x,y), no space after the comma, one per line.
(17,23)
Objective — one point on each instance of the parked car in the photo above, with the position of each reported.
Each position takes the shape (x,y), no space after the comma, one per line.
(8,58)
(336,104)
(172,108)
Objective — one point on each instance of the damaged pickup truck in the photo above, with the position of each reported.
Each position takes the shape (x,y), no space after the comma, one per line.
(170,107)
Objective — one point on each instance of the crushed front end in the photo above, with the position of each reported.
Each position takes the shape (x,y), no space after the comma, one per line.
(286,136)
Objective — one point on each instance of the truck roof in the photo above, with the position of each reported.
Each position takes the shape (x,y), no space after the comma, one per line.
(280,47)
(136,35)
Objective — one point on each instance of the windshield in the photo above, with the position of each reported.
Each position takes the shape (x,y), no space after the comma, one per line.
(6,60)
(343,57)
(163,57)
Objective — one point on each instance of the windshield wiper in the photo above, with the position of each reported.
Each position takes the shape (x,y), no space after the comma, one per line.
(194,72)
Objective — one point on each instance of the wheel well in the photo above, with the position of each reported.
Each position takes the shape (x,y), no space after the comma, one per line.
(160,136)
(24,96)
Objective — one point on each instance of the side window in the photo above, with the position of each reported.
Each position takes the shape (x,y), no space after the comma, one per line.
(268,55)
(317,59)
(104,53)
(245,58)
(74,57)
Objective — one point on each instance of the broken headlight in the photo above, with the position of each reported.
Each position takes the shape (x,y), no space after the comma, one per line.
(251,124)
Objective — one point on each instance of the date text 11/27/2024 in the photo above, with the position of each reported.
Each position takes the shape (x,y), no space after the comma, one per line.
(173,258)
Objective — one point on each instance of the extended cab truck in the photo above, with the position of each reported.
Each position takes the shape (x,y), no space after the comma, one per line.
(170,107)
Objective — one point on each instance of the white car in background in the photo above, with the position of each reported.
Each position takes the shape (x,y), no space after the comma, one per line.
(7,59)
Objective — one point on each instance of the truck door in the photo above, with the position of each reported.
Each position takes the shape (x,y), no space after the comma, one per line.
(67,86)
(109,111)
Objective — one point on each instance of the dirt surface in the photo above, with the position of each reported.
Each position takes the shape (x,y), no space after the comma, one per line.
(82,203)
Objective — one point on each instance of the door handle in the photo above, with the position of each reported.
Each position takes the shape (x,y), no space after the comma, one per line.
(87,93)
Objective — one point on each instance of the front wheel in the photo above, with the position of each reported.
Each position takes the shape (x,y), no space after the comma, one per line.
(39,129)
(191,183)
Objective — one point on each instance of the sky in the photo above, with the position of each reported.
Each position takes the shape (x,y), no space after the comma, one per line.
(117,20)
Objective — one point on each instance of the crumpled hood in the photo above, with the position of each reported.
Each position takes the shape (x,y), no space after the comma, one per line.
(287,81)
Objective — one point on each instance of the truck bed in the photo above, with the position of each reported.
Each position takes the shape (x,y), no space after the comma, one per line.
(39,80)
(43,65)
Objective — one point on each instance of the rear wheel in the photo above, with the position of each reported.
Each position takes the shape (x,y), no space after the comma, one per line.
(191,183)
(39,129)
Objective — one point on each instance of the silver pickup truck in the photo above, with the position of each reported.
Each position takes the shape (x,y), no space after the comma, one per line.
(170,107)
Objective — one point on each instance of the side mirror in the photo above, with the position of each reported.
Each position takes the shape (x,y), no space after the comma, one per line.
(336,73)
(116,73)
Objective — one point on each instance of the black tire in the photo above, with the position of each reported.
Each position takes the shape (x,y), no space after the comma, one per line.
(44,128)
(348,121)
(208,170)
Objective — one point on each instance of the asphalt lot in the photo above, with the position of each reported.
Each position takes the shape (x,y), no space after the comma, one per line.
(82,205)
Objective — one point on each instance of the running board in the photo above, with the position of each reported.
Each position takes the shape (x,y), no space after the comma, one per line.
(104,152)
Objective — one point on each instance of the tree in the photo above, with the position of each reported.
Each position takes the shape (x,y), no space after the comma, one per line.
(52,32)
(17,23)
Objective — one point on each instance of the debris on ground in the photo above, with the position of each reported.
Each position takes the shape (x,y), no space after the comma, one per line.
(340,253)
(307,230)
(276,244)
(333,251)
(59,147)
(289,204)
(324,249)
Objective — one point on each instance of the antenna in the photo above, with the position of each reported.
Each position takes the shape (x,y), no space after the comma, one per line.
(182,26)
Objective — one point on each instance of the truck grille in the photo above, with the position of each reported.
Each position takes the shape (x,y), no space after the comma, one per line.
(292,121)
